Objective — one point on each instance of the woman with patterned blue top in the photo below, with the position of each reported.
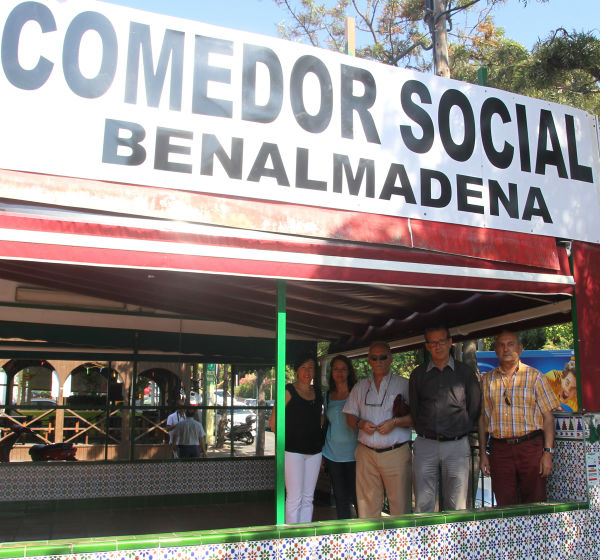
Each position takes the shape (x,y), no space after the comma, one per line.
(341,440)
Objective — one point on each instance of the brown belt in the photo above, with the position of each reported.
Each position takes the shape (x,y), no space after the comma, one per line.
(384,449)
(514,441)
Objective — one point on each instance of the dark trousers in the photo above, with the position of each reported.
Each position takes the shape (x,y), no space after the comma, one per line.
(343,481)
(187,451)
(515,472)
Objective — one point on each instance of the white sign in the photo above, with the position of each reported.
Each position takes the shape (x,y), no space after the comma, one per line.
(98,91)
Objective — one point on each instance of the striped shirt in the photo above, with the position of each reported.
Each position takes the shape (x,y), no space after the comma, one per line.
(529,395)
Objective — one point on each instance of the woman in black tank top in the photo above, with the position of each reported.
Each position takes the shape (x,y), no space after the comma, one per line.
(303,440)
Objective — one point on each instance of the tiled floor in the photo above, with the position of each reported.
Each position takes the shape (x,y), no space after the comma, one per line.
(16,527)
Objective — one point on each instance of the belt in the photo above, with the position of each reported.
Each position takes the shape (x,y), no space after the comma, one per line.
(384,449)
(442,438)
(514,441)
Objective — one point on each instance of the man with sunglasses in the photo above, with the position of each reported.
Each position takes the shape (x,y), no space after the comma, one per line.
(383,457)
(517,415)
(445,402)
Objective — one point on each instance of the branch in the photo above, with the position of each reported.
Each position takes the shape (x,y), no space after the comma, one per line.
(457,9)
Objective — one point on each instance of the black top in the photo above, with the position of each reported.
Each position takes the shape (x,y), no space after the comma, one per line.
(303,423)
(444,403)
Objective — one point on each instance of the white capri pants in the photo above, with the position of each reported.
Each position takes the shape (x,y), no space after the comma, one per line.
(301,474)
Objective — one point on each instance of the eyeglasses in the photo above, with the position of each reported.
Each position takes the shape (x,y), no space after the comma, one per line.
(379,358)
(435,343)
(507,400)
(382,400)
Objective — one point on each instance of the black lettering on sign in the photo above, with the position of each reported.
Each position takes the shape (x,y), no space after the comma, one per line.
(536,206)
(232,165)
(366,167)
(493,106)
(260,169)
(578,172)
(79,84)
(427,198)
(360,104)
(510,202)
(132,142)
(549,156)
(171,50)
(390,188)
(463,193)
(18,76)
(204,73)
(416,113)
(164,148)
(251,111)
(311,65)
(454,98)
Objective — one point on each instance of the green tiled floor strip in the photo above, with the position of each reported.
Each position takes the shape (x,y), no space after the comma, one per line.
(194,538)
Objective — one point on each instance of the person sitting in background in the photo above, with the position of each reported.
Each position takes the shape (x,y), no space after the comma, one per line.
(188,436)
(341,439)
(303,440)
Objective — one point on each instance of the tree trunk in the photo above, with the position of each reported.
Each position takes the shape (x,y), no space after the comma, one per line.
(437,27)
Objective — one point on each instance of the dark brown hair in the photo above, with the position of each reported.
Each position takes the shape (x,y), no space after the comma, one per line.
(351,373)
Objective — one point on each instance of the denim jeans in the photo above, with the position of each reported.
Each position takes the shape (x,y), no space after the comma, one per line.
(343,481)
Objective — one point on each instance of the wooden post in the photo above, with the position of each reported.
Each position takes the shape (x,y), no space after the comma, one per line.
(437,27)
(350,36)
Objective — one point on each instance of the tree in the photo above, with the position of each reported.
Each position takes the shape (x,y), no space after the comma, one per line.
(395,32)
(555,337)
(563,68)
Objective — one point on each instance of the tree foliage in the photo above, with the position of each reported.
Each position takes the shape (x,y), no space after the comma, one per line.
(555,337)
(394,32)
(402,364)
(564,67)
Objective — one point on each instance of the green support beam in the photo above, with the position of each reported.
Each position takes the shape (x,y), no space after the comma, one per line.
(280,400)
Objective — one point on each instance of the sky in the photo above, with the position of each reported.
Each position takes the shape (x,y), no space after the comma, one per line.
(522,24)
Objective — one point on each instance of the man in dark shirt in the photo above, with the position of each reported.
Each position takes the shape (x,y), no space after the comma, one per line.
(445,401)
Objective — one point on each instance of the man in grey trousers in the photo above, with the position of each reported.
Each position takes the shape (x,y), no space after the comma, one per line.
(445,402)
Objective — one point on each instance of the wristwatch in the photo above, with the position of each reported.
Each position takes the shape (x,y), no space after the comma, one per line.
(549,450)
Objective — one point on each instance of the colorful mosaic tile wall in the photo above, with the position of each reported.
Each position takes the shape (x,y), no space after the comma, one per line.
(543,532)
(64,481)
(553,532)
(568,481)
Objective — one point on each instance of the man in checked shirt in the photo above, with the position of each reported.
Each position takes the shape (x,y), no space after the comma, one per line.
(517,415)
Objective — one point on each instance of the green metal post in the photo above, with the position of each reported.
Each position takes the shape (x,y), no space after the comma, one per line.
(482,76)
(280,400)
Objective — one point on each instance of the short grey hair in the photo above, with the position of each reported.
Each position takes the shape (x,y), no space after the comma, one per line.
(380,343)
(508,331)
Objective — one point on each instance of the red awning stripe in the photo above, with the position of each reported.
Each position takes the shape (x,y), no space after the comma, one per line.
(128,253)
(100,228)
(283,218)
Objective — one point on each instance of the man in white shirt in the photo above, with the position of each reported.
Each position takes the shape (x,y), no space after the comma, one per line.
(172,420)
(188,436)
(383,456)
